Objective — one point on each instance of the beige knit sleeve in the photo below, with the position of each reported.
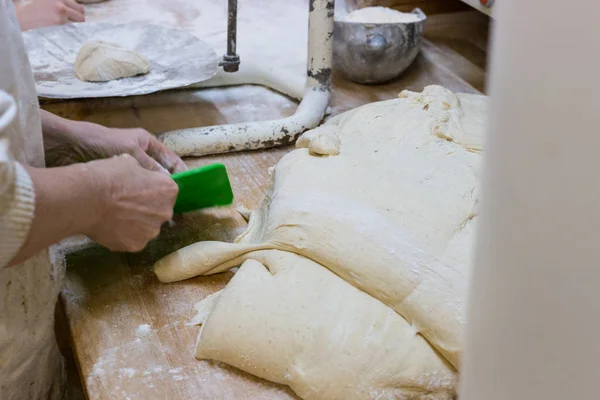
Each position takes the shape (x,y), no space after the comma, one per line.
(17,198)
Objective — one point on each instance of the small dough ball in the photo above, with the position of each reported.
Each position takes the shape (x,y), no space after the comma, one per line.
(98,61)
(324,140)
(325,145)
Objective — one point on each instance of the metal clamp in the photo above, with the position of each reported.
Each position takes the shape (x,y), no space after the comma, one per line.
(231,61)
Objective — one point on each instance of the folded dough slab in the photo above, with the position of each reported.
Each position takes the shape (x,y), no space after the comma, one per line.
(355,267)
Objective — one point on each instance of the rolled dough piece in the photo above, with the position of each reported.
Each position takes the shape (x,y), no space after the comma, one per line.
(99,61)
(302,326)
(393,214)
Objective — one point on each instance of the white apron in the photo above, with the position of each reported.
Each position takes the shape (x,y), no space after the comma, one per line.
(30,363)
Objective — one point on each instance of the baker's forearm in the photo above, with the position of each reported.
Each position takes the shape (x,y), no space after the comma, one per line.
(65,205)
(62,140)
(67,142)
(24,16)
(56,130)
(41,13)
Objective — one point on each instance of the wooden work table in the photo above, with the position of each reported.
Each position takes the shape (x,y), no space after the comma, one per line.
(129,334)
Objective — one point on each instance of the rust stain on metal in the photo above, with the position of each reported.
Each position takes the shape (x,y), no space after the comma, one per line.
(323,76)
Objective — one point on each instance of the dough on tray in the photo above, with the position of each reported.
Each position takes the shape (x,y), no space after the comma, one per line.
(99,61)
(393,214)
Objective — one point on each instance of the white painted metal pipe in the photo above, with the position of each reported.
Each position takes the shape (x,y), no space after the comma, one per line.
(251,135)
(534,320)
(250,73)
(257,135)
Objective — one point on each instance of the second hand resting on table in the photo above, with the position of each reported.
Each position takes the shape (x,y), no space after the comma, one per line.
(42,13)
(119,200)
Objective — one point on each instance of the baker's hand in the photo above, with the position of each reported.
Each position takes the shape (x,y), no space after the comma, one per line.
(41,13)
(86,141)
(132,203)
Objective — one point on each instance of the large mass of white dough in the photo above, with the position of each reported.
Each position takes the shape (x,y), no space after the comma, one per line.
(99,61)
(304,327)
(391,214)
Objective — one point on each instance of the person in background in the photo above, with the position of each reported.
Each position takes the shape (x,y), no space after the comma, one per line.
(42,13)
(60,178)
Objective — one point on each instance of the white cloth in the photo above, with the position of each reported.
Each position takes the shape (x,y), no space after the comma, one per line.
(30,363)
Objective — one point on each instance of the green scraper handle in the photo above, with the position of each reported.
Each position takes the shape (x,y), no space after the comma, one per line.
(202,187)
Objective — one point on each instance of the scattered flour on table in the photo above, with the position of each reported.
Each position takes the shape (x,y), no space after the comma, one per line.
(143,330)
(128,372)
(176,374)
(380,15)
(155,370)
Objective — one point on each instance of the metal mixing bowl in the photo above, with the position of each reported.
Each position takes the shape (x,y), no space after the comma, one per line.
(376,53)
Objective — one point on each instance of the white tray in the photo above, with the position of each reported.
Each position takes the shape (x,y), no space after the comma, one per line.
(177,59)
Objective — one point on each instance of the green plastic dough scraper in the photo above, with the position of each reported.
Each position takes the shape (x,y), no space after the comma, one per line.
(202,187)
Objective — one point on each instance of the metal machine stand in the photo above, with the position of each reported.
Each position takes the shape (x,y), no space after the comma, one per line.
(231,61)
(258,135)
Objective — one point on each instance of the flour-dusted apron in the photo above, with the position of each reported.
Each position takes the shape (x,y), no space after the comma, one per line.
(30,363)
